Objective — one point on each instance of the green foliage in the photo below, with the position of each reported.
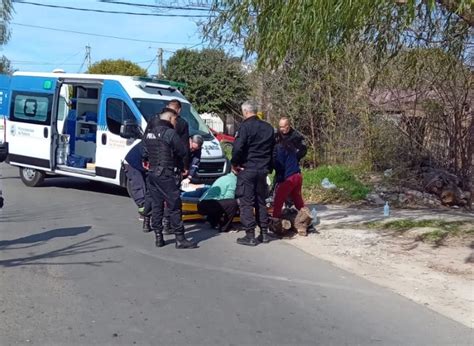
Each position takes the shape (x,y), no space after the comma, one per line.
(117,67)
(275,29)
(6,11)
(348,187)
(5,66)
(216,82)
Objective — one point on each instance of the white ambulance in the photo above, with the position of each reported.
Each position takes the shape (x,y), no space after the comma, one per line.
(83,125)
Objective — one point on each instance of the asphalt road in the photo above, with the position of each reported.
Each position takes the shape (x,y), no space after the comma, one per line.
(75,269)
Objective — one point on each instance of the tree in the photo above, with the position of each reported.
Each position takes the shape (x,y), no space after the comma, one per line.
(6,10)
(5,66)
(275,29)
(117,67)
(216,82)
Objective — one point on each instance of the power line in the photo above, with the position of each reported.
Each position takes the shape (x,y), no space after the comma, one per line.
(22,62)
(101,35)
(188,8)
(69,58)
(111,12)
(151,63)
(26,62)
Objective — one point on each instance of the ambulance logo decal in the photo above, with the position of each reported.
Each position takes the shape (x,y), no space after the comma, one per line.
(13,130)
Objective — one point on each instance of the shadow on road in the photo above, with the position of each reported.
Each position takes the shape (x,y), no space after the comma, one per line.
(84,185)
(201,232)
(9,178)
(196,233)
(87,246)
(39,238)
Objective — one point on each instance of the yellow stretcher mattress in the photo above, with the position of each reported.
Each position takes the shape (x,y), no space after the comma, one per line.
(190,212)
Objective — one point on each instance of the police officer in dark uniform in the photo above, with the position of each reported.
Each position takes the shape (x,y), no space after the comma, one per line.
(182,129)
(136,176)
(252,161)
(195,153)
(164,153)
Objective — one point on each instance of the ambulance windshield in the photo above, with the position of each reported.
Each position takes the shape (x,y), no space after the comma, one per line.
(150,107)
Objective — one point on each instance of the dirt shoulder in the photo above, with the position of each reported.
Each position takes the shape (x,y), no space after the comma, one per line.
(439,277)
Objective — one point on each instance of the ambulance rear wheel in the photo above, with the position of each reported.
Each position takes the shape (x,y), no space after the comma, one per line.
(31,177)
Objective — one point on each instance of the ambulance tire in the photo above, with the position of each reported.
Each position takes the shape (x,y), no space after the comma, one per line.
(31,177)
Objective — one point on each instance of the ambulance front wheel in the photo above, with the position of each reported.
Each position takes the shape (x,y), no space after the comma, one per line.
(31,177)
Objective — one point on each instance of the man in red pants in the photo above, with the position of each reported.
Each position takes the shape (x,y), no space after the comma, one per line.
(290,149)
(287,175)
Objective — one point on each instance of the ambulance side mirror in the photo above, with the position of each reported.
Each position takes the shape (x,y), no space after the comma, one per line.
(130,129)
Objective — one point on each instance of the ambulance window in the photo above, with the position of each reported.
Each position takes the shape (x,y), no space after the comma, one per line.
(63,108)
(32,108)
(117,112)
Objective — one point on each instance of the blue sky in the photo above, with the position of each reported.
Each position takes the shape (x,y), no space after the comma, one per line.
(34,49)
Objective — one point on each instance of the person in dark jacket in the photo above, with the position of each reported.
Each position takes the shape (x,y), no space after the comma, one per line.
(136,176)
(163,156)
(195,149)
(252,161)
(287,175)
(287,133)
(182,130)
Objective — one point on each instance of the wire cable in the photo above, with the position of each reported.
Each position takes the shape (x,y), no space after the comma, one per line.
(99,35)
(151,63)
(68,58)
(26,62)
(21,62)
(111,12)
(188,8)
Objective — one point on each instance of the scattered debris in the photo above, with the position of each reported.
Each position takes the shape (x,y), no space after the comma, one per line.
(325,183)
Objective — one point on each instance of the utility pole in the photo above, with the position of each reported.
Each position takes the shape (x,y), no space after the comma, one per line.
(159,59)
(88,56)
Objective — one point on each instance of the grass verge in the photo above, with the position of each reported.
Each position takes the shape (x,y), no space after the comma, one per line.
(348,187)
(440,229)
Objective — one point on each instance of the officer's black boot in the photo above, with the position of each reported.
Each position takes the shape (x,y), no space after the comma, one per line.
(248,239)
(166,226)
(159,240)
(146,224)
(265,237)
(182,242)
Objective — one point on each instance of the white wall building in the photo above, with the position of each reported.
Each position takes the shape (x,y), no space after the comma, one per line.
(213,121)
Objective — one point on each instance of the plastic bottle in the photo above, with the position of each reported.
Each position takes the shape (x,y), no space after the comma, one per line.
(386,210)
(314,216)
